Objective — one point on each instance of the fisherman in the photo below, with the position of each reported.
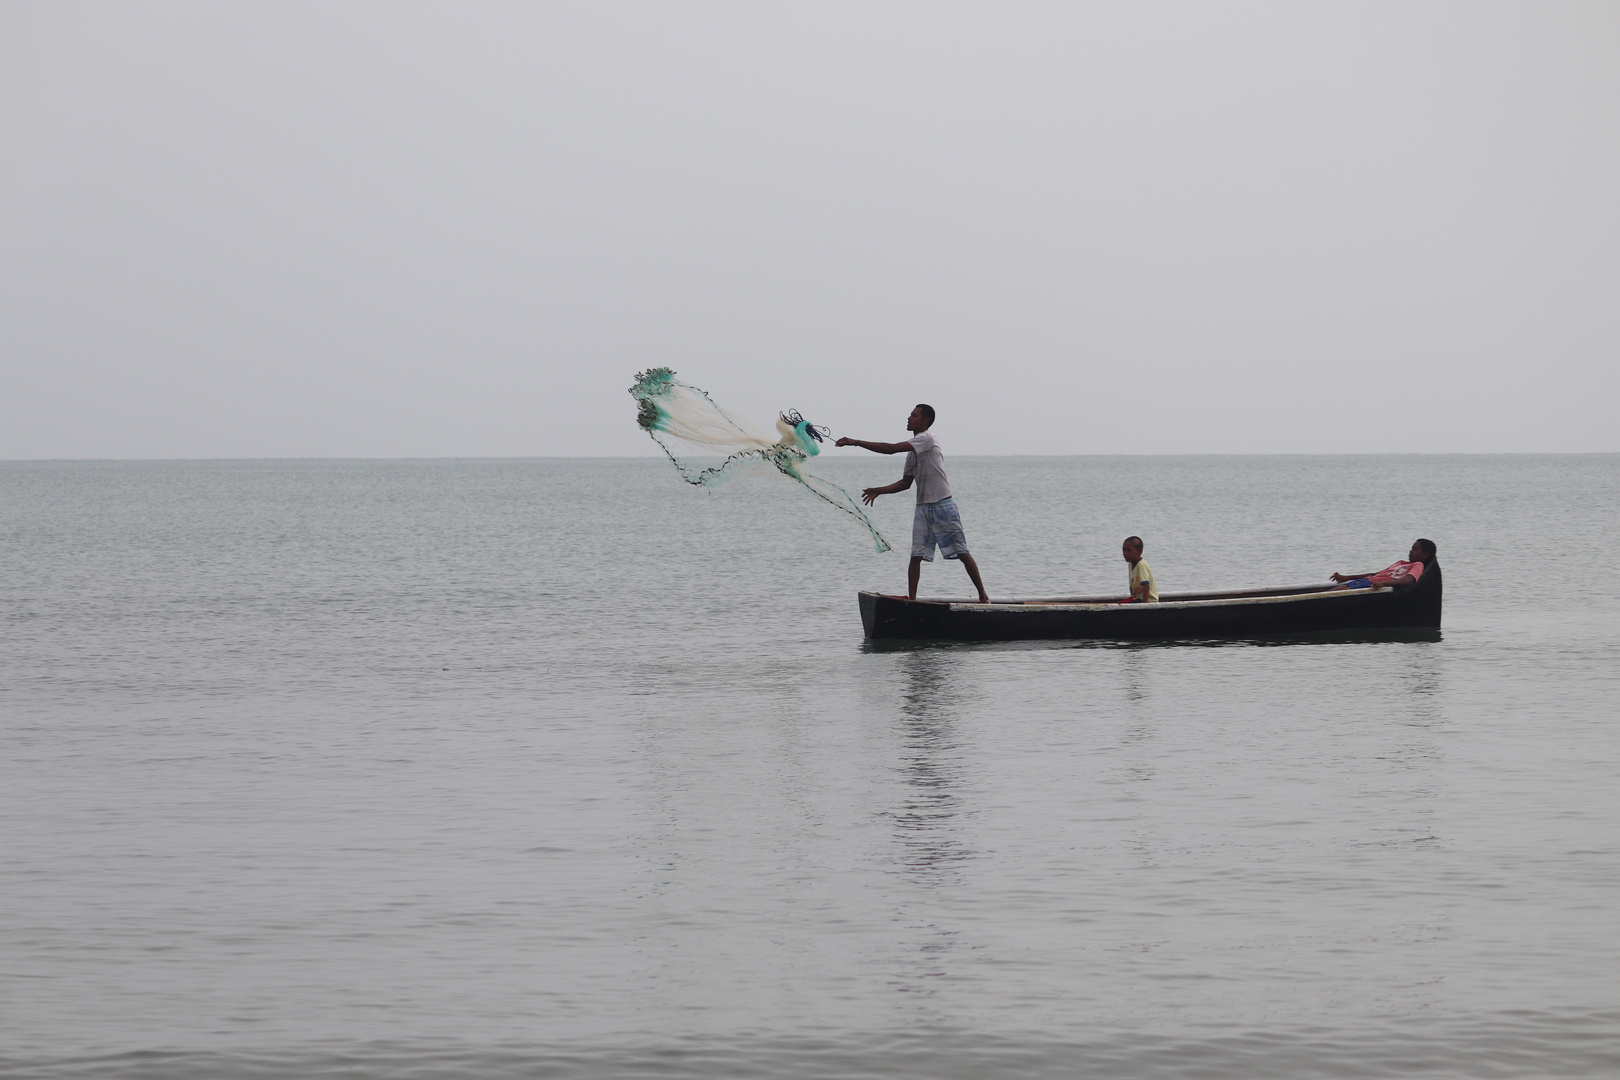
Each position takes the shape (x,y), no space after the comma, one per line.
(1144,590)
(1398,574)
(936,520)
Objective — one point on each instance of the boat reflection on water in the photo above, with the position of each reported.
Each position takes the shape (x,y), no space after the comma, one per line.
(928,820)
(1325,637)
(932,771)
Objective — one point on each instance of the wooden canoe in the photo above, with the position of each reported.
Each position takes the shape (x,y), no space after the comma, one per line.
(1286,611)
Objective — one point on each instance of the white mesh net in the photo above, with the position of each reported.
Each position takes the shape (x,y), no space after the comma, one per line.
(682,417)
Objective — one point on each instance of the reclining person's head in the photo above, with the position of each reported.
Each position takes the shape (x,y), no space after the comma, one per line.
(1426,547)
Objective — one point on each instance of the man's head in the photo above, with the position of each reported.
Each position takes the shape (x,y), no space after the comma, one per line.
(1132,549)
(1422,551)
(921,419)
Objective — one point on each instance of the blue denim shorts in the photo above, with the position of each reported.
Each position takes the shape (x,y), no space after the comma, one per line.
(937,523)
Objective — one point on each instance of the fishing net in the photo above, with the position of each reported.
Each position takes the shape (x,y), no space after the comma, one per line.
(678,416)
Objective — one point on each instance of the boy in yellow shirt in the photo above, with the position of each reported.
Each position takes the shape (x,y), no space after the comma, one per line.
(1144,590)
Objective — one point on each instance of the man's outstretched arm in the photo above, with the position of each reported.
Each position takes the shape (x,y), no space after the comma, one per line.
(877,448)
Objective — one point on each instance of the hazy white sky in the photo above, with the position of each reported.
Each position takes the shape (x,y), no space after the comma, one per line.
(399,229)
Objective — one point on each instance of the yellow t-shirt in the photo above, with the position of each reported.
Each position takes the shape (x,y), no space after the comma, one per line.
(1142,572)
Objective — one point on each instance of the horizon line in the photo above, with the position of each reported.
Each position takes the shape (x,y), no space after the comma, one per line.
(656,457)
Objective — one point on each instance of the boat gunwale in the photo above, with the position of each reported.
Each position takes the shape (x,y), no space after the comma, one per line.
(1158,605)
(1273,594)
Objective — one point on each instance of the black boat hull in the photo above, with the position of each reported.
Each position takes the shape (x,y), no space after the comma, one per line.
(1192,616)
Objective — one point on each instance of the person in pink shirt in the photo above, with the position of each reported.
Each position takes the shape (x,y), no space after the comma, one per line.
(1399,574)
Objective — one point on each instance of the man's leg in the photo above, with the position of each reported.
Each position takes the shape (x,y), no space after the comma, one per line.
(913,573)
(973,572)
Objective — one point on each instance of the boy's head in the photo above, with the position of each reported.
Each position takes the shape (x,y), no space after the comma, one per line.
(1132,549)
(1422,551)
(921,419)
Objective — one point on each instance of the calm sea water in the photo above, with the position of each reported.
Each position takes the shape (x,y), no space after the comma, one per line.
(560,768)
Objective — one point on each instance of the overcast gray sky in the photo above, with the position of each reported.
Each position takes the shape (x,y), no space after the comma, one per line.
(242,230)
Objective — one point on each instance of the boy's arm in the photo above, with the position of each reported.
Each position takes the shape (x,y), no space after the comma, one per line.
(878,448)
(869,496)
(1351,577)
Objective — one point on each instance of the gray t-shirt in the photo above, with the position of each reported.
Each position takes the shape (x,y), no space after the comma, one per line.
(926,462)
